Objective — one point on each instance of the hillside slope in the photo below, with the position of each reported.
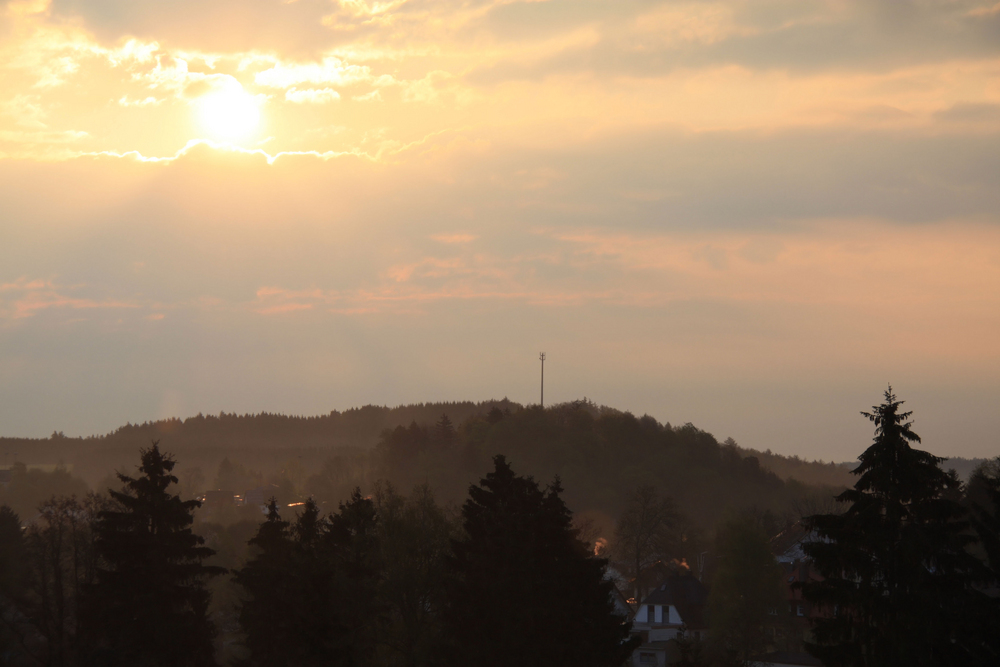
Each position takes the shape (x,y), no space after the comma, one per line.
(599,453)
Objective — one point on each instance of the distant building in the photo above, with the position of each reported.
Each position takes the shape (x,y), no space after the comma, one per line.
(261,495)
(218,498)
(791,625)
(5,476)
(674,609)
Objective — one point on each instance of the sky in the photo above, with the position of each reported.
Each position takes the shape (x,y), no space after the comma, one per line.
(751,215)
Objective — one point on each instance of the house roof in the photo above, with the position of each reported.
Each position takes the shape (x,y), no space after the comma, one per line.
(787,545)
(686,594)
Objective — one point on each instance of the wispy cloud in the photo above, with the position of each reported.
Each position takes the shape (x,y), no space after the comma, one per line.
(26,298)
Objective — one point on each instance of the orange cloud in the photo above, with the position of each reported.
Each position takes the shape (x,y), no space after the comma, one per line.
(38,295)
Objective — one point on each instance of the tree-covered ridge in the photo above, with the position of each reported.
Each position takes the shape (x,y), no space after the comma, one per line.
(359,427)
(601,453)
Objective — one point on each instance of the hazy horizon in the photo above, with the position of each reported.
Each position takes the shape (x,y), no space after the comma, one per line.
(763,446)
(750,216)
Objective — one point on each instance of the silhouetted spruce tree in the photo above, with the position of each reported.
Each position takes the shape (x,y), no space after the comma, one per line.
(148,606)
(311,588)
(267,615)
(13,577)
(899,583)
(351,545)
(414,536)
(444,430)
(12,554)
(526,591)
(317,636)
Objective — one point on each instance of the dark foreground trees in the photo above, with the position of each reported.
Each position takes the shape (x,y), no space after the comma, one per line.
(310,588)
(746,589)
(148,605)
(899,584)
(526,591)
(414,540)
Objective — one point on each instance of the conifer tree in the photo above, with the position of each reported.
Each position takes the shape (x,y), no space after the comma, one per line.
(351,546)
(745,586)
(13,575)
(12,554)
(527,592)
(267,613)
(898,582)
(414,536)
(444,430)
(149,604)
(317,636)
(311,588)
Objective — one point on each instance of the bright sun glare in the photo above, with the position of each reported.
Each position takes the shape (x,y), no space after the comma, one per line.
(228,114)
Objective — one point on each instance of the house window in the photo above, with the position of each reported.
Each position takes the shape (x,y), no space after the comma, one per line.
(773,611)
(647,658)
(651,613)
(800,610)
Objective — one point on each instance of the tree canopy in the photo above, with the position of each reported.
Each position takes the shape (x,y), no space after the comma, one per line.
(526,591)
(148,605)
(745,590)
(898,582)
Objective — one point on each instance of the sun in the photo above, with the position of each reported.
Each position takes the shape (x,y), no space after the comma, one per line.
(228,114)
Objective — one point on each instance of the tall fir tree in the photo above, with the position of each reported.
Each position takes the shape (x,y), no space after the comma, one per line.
(351,545)
(267,614)
(149,604)
(310,588)
(526,591)
(13,577)
(899,584)
(12,554)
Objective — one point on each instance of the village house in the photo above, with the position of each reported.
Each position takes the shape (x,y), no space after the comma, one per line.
(675,609)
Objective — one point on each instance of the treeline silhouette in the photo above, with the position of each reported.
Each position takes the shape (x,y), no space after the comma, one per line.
(209,438)
(599,452)
(123,580)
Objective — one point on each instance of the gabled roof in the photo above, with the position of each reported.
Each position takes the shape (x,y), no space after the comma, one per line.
(685,593)
(787,545)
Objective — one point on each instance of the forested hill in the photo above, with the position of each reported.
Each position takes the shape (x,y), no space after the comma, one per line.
(243,435)
(599,453)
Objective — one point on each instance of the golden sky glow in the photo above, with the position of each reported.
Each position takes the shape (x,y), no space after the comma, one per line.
(718,212)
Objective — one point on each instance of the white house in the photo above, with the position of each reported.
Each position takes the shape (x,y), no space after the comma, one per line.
(674,609)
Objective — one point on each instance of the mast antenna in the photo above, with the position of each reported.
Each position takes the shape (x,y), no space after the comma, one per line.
(541,356)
